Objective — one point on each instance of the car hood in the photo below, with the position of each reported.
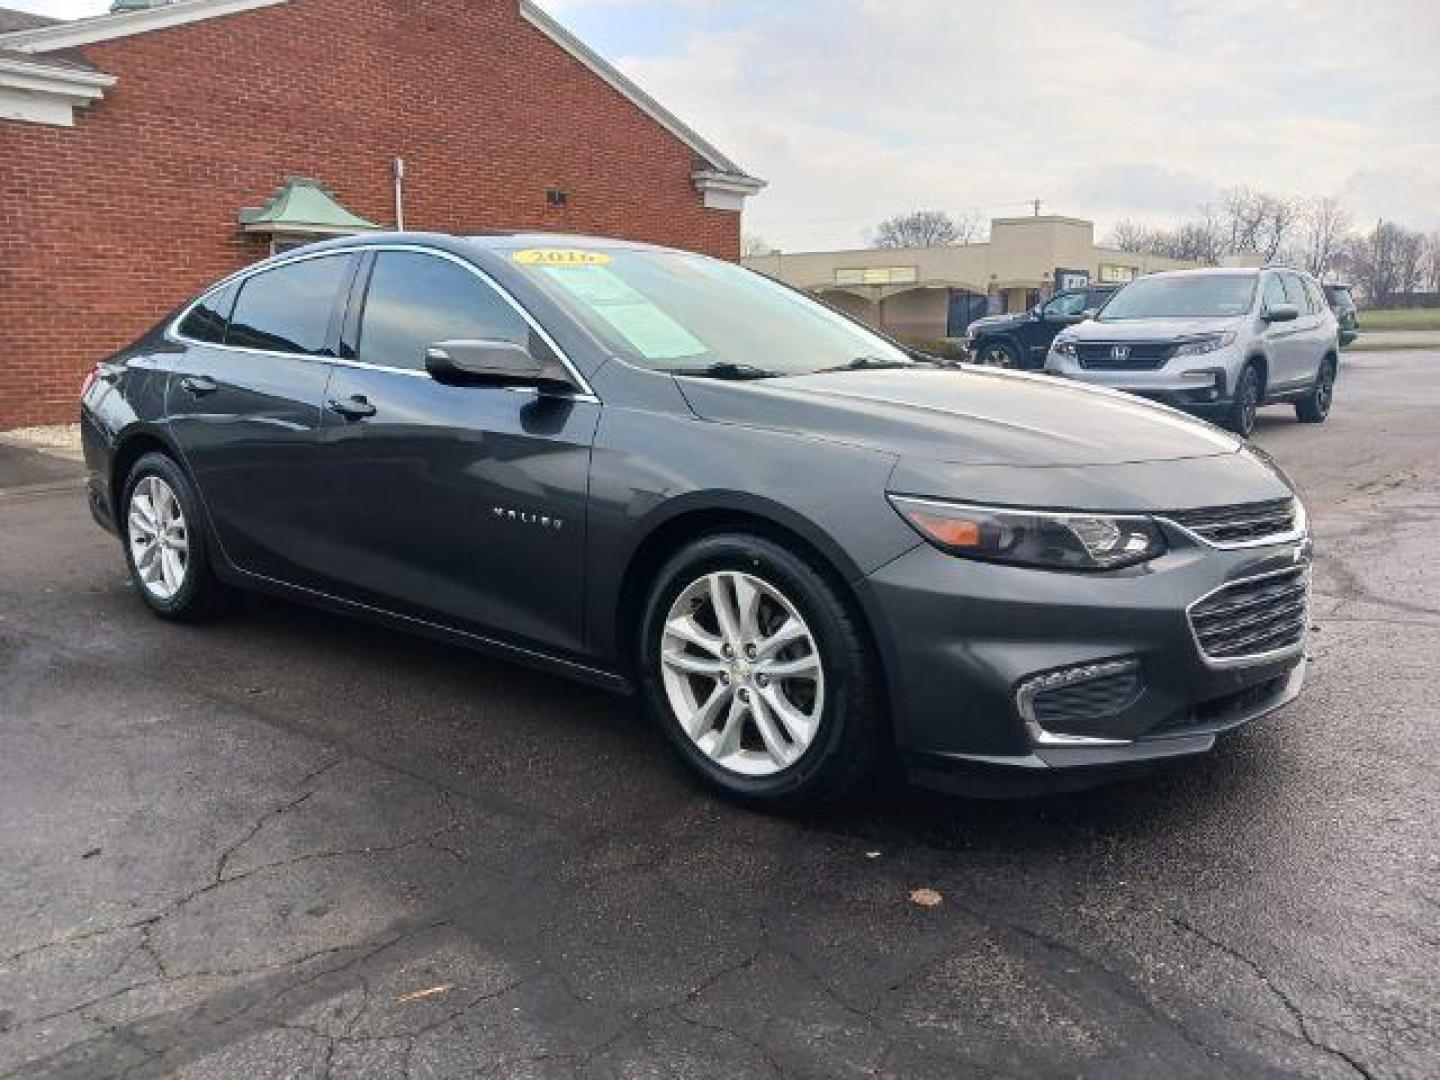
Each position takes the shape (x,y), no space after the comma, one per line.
(970,416)
(1149,329)
(996,322)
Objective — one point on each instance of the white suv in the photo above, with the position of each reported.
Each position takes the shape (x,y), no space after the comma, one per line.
(1220,343)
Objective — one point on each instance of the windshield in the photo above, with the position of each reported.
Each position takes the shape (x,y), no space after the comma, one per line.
(1189,296)
(689,314)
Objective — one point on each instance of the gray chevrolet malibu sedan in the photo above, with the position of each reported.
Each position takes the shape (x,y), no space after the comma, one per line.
(807,551)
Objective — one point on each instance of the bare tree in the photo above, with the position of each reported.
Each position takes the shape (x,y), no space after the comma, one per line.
(1324,226)
(1409,260)
(752,245)
(971,227)
(1431,264)
(1256,221)
(1379,261)
(920,228)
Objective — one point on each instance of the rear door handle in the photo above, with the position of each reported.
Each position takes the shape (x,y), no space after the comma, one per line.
(355,408)
(199,385)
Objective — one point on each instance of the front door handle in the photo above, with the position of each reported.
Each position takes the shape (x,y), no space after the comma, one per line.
(354,408)
(199,385)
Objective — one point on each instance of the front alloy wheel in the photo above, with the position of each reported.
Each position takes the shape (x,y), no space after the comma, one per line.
(742,673)
(755,663)
(1246,402)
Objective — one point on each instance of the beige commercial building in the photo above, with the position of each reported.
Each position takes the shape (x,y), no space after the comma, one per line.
(935,292)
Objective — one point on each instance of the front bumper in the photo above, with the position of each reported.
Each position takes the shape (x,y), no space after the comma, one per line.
(963,639)
(1199,384)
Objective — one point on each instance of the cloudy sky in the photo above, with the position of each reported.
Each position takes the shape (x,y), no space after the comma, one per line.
(855,109)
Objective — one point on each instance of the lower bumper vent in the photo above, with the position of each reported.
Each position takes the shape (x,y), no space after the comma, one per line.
(1056,704)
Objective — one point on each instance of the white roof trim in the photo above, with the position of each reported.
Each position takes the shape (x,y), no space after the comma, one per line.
(39,93)
(69,35)
(634,94)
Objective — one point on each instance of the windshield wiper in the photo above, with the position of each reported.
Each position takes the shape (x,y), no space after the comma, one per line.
(727,370)
(868,363)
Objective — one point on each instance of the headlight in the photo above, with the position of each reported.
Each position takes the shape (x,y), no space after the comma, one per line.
(1053,539)
(1064,347)
(1207,344)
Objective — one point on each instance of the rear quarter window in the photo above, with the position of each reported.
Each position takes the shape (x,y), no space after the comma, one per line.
(208,320)
(288,309)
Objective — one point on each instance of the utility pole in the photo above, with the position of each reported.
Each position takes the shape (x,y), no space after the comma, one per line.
(399,177)
(1037,203)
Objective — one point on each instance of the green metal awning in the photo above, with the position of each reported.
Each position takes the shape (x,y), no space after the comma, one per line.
(302,207)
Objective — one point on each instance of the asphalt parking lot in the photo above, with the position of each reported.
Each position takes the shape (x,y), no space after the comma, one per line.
(287,845)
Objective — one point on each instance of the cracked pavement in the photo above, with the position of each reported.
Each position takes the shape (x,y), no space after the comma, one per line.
(286,845)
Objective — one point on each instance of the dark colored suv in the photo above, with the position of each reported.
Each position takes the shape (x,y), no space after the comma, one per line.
(1347,314)
(1021,339)
(662,473)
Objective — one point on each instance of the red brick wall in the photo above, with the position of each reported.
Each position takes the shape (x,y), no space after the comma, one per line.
(106,226)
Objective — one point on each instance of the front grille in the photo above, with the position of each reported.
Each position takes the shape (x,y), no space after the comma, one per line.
(1137,355)
(1245,524)
(1095,699)
(1253,617)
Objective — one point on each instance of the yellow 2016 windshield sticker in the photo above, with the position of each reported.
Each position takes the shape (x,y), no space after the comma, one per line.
(560,257)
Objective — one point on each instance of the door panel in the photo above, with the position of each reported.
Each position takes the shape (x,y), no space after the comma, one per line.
(459,504)
(247,420)
(462,505)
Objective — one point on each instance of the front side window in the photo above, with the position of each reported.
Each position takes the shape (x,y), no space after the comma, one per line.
(288,309)
(1066,304)
(210,316)
(416,300)
(681,313)
(1299,294)
(1187,296)
(1275,294)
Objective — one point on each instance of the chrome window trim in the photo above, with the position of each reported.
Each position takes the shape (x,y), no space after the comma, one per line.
(1252,659)
(1296,535)
(1028,690)
(172,332)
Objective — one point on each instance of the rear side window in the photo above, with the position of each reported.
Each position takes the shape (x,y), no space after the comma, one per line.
(210,316)
(415,300)
(288,309)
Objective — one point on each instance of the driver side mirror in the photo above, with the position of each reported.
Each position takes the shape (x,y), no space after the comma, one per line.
(492,363)
(1282,313)
(1089,313)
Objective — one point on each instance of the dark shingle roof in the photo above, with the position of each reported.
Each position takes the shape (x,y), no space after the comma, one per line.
(12,20)
(22,20)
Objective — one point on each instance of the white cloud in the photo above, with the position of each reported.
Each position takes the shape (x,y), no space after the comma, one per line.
(854,109)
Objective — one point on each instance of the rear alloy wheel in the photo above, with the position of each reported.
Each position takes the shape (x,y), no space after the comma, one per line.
(999,354)
(164,545)
(1315,406)
(760,674)
(1246,402)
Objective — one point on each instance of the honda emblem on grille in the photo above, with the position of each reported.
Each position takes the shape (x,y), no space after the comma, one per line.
(1120,353)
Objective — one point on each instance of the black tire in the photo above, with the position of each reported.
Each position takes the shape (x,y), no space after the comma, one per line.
(1315,406)
(1240,416)
(200,592)
(998,353)
(848,743)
